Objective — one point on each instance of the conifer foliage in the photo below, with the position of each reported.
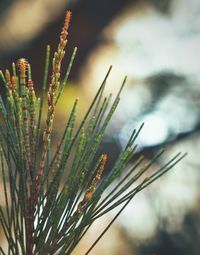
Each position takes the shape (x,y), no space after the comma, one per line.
(51,199)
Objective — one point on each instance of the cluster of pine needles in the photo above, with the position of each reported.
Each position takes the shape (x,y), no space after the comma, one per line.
(51,199)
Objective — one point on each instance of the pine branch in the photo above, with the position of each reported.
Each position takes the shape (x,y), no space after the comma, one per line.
(51,200)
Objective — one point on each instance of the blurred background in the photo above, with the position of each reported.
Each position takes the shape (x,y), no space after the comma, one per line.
(156,43)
